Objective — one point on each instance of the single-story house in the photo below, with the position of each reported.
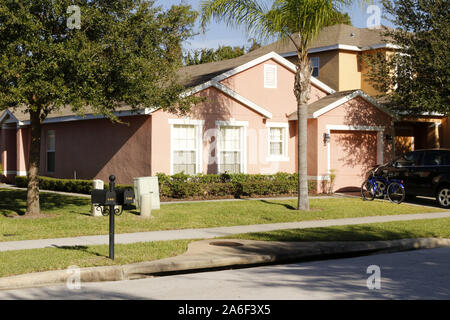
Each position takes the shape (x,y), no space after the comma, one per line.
(247,123)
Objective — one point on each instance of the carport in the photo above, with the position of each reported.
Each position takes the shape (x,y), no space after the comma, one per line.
(424,132)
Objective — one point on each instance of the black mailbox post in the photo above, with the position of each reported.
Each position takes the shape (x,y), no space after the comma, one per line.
(107,200)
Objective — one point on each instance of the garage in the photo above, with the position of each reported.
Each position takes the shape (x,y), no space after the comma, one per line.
(349,132)
(352,154)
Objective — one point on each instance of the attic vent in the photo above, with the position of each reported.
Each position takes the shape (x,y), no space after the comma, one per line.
(270,76)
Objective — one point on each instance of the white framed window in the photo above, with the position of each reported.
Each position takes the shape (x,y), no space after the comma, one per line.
(232,146)
(51,149)
(277,141)
(270,76)
(186,146)
(315,65)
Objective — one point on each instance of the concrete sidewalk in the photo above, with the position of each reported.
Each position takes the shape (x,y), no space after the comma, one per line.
(215,255)
(207,233)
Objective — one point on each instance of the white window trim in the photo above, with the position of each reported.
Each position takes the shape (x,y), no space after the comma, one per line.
(380,139)
(15,173)
(187,121)
(198,125)
(284,157)
(243,136)
(271,68)
(232,123)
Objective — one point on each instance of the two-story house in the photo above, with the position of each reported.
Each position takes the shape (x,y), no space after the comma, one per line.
(247,122)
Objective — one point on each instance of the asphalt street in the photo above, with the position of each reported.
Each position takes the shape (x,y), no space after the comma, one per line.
(418,274)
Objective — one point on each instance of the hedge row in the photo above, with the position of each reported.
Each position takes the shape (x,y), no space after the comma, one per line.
(181,186)
(65,185)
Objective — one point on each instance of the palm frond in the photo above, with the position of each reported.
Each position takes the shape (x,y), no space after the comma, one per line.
(234,13)
(282,19)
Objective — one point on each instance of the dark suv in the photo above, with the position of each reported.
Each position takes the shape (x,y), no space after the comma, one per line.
(424,173)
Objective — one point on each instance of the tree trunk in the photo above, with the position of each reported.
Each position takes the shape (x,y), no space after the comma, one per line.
(33,207)
(302,90)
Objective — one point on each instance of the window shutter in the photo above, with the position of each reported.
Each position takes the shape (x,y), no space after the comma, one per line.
(270,76)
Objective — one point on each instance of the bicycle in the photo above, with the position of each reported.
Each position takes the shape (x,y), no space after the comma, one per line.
(379,186)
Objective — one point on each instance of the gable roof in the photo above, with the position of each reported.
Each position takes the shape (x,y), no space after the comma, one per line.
(7,117)
(328,103)
(205,75)
(208,73)
(66,113)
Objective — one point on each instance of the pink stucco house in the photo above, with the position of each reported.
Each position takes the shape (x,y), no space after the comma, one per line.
(246,124)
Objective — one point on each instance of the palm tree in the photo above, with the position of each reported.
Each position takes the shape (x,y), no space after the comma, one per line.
(298,21)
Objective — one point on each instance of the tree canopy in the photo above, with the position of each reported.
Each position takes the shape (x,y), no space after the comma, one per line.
(206,55)
(92,54)
(125,51)
(416,79)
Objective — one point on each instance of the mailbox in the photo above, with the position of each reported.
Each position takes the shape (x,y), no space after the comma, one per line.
(125,196)
(103,197)
(107,200)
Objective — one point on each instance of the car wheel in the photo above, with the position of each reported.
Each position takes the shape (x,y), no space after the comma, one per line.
(443,196)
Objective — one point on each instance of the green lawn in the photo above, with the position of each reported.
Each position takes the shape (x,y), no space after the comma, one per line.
(26,261)
(70,216)
(38,260)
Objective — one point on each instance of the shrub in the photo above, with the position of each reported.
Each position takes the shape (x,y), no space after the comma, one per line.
(21,181)
(181,186)
(64,185)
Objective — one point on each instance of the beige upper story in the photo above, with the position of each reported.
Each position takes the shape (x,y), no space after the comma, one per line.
(337,55)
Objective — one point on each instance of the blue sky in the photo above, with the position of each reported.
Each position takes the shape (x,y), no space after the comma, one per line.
(221,34)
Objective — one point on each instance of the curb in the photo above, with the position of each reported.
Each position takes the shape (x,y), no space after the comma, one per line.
(201,256)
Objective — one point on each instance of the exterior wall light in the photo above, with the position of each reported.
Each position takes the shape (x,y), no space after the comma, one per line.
(326,137)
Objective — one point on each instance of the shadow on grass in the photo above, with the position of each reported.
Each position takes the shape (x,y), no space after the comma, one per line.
(79,248)
(12,201)
(16,201)
(287,206)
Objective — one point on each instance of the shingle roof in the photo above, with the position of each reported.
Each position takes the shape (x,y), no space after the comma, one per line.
(327,100)
(22,116)
(322,105)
